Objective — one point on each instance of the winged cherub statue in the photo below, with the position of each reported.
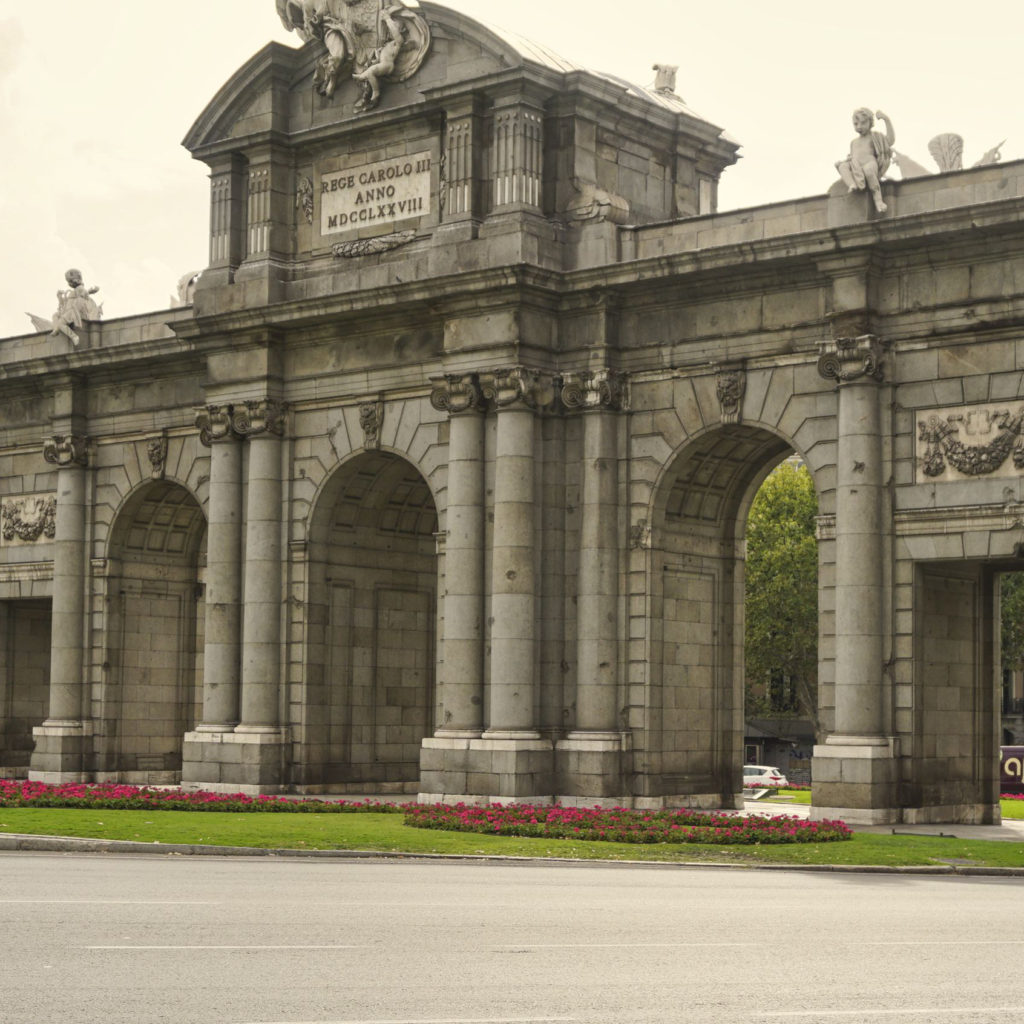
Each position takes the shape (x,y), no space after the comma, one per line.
(74,306)
(870,155)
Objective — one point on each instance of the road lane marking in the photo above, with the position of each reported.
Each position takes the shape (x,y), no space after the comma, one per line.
(436,1020)
(743,945)
(115,902)
(860,1014)
(202,949)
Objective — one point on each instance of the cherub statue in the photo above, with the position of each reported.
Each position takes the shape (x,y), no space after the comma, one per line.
(74,306)
(870,155)
(384,58)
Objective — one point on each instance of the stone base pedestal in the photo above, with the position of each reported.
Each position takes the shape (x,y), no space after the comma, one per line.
(234,762)
(59,754)
(513,767)
(855,780)
(589,767)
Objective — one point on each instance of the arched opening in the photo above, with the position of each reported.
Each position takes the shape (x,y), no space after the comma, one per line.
(780,644)
(697,721)
(154,692)
(371,656)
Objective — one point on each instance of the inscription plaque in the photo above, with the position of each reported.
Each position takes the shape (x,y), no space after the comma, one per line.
(377,195)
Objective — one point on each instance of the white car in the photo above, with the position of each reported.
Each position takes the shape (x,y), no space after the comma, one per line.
(758,775)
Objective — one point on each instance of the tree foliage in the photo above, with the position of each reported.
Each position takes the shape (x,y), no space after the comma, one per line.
(1011,604)
(781,642)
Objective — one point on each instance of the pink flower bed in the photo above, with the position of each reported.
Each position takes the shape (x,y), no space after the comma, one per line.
(115,796)
(620,825)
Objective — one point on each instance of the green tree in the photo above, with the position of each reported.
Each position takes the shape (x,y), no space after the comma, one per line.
(1011,606)
(781,641)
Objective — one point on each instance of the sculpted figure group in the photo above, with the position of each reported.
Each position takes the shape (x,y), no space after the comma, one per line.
(369,41)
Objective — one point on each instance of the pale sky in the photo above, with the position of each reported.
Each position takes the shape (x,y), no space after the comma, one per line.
(96,95)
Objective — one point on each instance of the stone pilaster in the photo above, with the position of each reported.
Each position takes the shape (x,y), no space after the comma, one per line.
(60,741)
(855,769)
(589,759)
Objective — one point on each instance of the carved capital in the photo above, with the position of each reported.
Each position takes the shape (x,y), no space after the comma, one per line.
(849,359)
(214,423)
(730,386)
(454,394)
(66,450)
(371,419)
(518,386)
(599,389)
(264,416)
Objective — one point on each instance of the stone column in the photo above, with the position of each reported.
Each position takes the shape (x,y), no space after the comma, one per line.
(854,770)
(60,740)
(263,424)
(461,689)
(589,759)
(444,757)
(513,582)
(221,676)
(511,761)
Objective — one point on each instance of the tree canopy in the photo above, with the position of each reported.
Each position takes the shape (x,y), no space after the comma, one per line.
(781,640)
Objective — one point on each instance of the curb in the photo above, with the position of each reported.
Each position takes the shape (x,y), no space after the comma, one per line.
(16,843)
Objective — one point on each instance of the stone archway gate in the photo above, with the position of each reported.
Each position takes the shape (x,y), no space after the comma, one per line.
(591,390)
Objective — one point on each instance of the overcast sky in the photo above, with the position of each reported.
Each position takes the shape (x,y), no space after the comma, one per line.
(96,95)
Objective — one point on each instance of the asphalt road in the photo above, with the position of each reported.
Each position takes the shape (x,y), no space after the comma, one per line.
(149,939)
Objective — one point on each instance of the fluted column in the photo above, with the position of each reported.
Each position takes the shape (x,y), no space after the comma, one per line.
(221,654)
(460,690)
(69,567)
(599,396)
(263,424)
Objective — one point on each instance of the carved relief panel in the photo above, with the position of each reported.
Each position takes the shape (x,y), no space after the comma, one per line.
(966,441)
(27,519)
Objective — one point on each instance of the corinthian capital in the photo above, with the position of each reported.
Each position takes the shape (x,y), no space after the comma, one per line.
(455,393)
(598,389)
(848,359)
(66,450)
(532,388)
(265,416)
(214,423)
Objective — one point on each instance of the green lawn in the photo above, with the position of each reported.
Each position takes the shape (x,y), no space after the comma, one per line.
(388,833)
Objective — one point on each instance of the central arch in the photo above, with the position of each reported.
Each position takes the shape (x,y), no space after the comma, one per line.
(370,671)
(698,522)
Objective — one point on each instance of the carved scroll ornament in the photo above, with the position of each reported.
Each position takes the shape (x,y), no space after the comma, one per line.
(66,450)
(264,416)
(156,452)
(28,519)
(518,385)
(456,393)
(848,359)
(943,444)
(214,423)
(600,389)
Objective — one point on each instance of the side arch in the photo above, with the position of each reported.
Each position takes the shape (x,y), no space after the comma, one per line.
(152,670)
